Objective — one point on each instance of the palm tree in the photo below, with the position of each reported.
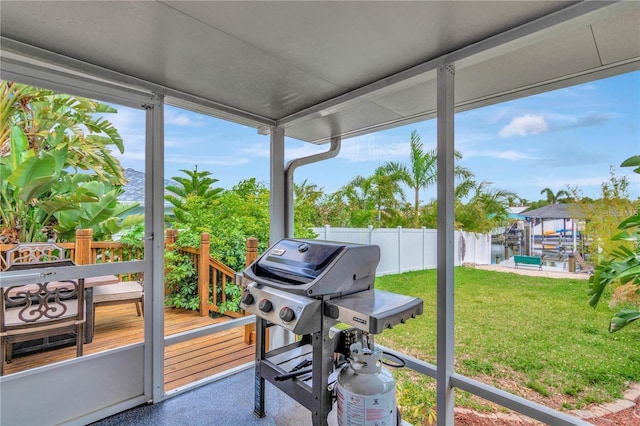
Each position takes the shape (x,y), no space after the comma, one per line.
(387,193)
(306,191)
(191,193)
(372,197)
(515,200)
(494,201)
(306,198)
(556,197)
(422,171)
(485,210)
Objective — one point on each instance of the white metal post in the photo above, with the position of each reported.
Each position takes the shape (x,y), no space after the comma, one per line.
(278,226)
(277,186)
(445,258)
(154,248)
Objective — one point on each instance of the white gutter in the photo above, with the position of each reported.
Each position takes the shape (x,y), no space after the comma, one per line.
(291,166)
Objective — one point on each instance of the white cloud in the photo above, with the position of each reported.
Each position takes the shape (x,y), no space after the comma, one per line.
(526,125)
(206,159)
(184,119)
(260,150)
(507,154)
(513,155)
(174,143)
(129,155)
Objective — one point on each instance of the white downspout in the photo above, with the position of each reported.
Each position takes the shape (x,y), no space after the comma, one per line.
(291,166)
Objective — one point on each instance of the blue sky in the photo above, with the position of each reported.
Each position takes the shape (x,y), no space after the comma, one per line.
(565,137)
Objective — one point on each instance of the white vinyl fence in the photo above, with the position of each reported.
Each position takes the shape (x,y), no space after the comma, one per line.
(403,250)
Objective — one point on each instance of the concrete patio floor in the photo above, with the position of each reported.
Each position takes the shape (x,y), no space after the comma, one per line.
(559,271)
(228,401)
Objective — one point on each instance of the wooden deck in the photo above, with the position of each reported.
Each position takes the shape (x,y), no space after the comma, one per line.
(184,363)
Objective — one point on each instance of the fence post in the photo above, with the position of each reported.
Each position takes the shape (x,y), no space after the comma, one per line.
(83,246)
(326,232)
(424,246)
(170,237)
(252,251)
(203,275)
(399,249)
(251,255)
(370,227)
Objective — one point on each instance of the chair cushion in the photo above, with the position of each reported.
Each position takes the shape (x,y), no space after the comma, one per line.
(124,290)
(12,318)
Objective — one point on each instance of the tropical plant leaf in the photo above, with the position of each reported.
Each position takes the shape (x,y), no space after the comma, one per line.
(35,188)
(19,147)
(67,220)
(630,222)
(623,318)
(633,161)
(110,226)
(100,107)
(625,236)
(53,206)
(122,209)
(31,169)
(66,202)
(94,213)
(132,220)
(19,142)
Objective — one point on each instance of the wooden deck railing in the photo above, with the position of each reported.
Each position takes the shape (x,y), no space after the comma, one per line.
(213,275)
(85,251)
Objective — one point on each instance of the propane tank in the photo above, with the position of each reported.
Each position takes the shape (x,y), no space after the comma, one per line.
(366,391)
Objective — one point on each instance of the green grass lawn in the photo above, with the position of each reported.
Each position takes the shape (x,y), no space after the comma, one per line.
(535,337)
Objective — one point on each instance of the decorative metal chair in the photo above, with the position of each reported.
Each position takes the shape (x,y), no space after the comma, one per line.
(41,310)
(34,253)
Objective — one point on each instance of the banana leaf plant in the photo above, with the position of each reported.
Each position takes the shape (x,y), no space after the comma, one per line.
(623,267)
(101,212)
(38,194)
(54,121)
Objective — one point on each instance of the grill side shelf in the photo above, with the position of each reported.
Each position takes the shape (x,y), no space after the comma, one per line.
(373,311)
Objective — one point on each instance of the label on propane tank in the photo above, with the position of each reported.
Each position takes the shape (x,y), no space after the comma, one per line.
(366,410)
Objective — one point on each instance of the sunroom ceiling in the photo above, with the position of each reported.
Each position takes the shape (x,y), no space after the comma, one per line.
(323,69)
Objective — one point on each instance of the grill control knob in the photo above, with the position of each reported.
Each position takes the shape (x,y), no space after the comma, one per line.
(287,314)
(247,298)
(265,306)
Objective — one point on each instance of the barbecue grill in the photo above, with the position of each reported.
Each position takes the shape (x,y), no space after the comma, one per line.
(307,287)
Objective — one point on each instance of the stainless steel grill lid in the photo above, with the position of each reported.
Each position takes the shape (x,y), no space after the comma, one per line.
(316,268)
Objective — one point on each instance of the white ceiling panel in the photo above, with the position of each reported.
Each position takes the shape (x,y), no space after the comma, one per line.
(533,65)
(323,69)
(618,38)
(354,43)
(360,116)
(161,45)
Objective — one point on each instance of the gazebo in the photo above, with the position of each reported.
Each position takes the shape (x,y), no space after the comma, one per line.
(556,211)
